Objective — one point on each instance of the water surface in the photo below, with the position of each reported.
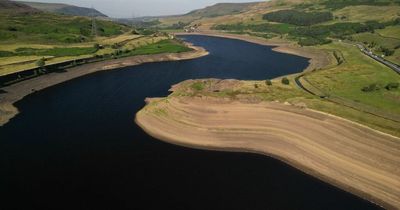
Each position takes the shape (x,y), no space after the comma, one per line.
(76,146)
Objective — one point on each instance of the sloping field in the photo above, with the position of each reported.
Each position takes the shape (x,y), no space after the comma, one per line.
(365,13)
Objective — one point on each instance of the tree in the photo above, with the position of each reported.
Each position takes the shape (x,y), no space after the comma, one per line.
(96,46)
(392,85)
(268,82)
(41,62)
(371,87)
(285,81)
(386,51)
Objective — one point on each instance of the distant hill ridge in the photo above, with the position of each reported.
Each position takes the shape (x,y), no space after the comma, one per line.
(65,9)
(221,9)
(7,6)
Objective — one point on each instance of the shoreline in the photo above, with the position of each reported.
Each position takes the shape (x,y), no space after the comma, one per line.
(318,59)
(13,93)
(280,144)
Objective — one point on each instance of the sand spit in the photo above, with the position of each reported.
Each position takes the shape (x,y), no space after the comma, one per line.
(345,154)
(16,92)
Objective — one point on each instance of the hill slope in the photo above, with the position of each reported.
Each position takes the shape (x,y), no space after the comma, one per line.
(221,9)
(15,7)
(65,9)
(23,24)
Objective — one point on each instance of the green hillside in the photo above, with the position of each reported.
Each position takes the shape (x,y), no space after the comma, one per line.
(321,22)
(30,38)
(21,23)
(221,9)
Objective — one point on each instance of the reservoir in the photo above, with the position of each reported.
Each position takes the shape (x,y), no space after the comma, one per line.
(76,146)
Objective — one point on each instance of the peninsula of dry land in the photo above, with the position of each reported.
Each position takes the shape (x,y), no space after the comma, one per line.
(233,115)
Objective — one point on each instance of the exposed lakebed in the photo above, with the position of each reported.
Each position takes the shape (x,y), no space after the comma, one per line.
(75,145)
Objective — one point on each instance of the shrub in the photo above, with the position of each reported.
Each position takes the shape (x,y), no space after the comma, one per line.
(117,52)
(285,81)
(96,46)
(338,58)
(256,86)
(115,46)
(392,85)
(41,62)
(12,28)
(371,88)
(386,51)
(6,53)
(198,86)
(268,82)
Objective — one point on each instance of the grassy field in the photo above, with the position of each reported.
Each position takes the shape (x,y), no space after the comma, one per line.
(164,46)
(391,31)
(46,28)
(356,72)
(365,13)
(27,37)
(116,39)
(377,40)
(24,58)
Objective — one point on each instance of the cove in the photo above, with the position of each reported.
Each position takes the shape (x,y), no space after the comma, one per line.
(76,146)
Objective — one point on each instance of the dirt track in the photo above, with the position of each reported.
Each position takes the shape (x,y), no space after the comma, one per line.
(348,155)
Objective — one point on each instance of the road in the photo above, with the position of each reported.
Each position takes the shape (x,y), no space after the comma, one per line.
(389,64)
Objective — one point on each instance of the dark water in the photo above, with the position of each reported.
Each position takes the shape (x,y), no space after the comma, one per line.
(76,146)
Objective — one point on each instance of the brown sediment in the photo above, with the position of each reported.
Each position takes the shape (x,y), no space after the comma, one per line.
(318,58)
(16,92)
(348,155)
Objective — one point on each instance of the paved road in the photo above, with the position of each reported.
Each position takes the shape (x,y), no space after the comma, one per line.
(389,64)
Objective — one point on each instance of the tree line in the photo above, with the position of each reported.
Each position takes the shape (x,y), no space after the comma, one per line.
(298,18)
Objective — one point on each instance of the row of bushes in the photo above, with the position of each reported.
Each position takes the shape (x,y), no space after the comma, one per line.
(313,35)
(375,87)
(268,82)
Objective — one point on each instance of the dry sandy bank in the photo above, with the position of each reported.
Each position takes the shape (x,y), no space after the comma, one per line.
(345,154)
(16,92)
